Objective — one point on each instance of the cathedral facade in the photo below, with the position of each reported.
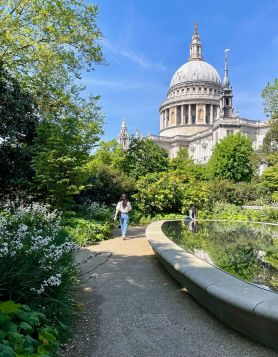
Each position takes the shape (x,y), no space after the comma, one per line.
(198,110)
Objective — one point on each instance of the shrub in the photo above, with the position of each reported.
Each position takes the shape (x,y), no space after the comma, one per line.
(23,332)
(231,158)
(98,211)
(269,214)
(232,212)
(229,192)
(86,232)
(106,185)
(36,260)
(168,192)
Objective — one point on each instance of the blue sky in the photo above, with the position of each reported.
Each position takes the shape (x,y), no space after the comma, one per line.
(145,41)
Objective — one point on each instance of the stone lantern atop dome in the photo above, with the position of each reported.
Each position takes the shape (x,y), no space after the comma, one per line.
(195,46)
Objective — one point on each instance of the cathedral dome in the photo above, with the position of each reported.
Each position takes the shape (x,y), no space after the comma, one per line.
(196,71)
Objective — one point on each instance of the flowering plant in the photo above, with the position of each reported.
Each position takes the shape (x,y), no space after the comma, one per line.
(36,256)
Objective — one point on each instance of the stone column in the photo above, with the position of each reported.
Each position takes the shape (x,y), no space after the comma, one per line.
(197,114)
(211,114)
(189,114)
(182,114)
(205,113)
(176,110)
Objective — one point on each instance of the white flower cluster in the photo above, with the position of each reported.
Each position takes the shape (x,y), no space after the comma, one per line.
(4,249)
(54,280)
(54,253)
(97,210)
(33,231)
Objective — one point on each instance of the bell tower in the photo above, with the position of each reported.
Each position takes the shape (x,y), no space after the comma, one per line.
(226,98)
(124,137)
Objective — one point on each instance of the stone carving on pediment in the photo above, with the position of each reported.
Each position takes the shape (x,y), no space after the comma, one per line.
(204,144)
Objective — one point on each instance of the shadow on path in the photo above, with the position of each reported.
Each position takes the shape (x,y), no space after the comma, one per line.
(132,307)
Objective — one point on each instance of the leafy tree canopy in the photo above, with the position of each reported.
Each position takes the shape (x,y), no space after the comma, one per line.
(232,158)
(106,184)
(108,153)
(168,192)
(18,122)
(270,96)
(270,144)
(270,177)
(46,44)
(18,112)
(62,155)
(144,156)
(184,164)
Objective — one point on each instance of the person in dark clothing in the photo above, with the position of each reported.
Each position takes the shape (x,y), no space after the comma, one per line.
(193,211)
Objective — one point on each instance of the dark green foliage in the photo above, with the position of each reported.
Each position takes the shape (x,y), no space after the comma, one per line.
(91,223)
(87,231)
(18,122)
(24,332)
(232,159)
(143,157)
(17,111)
(106,184)
(226,191)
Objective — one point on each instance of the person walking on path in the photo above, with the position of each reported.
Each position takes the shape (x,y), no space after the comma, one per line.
(123,208)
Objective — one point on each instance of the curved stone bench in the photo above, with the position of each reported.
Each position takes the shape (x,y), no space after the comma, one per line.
(249,309)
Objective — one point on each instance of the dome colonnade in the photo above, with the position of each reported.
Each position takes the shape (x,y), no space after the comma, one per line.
(198,110)
(193,97)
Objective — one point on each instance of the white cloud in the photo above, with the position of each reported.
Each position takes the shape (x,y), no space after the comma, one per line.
(137,58)
(113,84)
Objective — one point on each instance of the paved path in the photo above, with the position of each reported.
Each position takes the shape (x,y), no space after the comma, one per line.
(133,308)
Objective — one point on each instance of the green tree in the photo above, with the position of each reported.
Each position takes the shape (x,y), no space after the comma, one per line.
(143,157)
(46,45)
(18,122)
(168,192)
(63,149)
(184,164)
(106,184)
(108,153)
(270,177)
(270,96)
(270,144)
(232,159)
